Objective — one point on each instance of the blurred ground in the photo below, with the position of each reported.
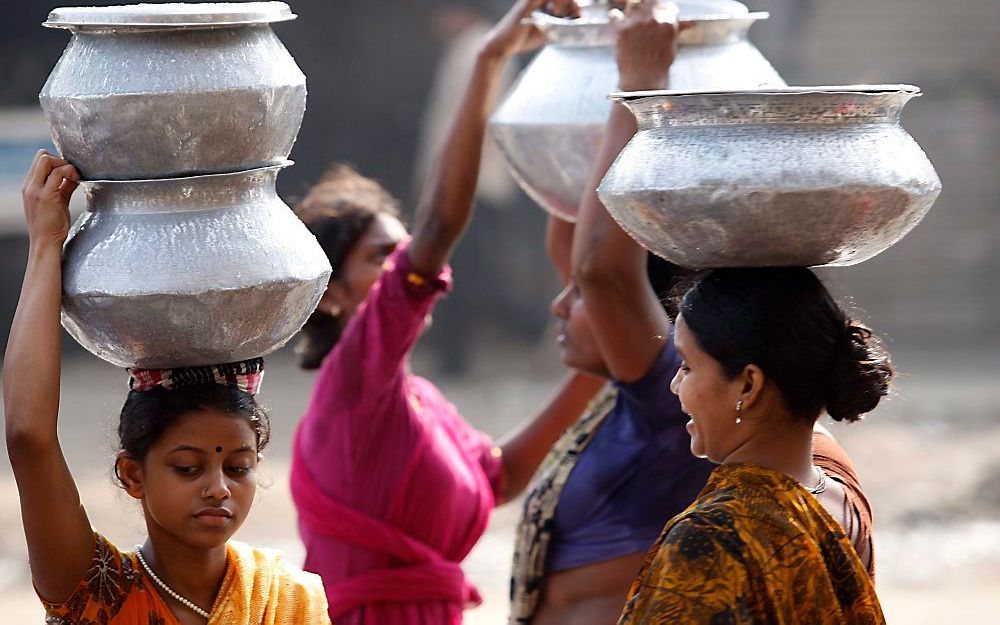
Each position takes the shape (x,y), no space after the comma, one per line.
(928,459)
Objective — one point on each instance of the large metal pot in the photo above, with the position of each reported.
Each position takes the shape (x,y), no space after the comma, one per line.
(795,176)
(189,271)
(156,91)
(551,125)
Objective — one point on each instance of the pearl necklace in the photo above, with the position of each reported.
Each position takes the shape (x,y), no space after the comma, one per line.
(820,484)
(170,591)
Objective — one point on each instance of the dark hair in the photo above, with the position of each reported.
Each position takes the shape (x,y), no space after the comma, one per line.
(666,278)
(784,320)
(337,210)
(146,415)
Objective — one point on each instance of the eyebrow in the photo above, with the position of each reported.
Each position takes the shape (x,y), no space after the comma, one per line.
(187,448)
(202,451)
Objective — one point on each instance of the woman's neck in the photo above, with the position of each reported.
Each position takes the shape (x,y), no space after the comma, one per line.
(783,445)
(194,573)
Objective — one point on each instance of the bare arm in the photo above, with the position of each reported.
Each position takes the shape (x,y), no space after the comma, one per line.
(60,542)
(445,208)
(559,246)
(526,447)
(629,323)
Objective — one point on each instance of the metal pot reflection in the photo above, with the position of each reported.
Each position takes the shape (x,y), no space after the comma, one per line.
(189,271)
(551,125)
(795,176)
(157,91)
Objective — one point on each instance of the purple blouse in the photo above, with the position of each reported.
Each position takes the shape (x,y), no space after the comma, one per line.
(636,474)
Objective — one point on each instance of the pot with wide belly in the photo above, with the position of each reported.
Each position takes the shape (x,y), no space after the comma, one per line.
(794,176)
(158,91)
(551,125)
(189,271)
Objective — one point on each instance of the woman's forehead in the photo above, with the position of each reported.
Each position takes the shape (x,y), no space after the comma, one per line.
(206,430)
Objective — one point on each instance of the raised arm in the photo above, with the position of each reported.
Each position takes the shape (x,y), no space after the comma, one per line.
(446,205)
(559,246)
(609,267)
(525,447)
(60,542)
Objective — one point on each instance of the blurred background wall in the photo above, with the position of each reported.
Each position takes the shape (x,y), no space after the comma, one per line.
(371,66)
(374,84)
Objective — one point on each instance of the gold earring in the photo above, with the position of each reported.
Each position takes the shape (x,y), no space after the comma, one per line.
(739,409)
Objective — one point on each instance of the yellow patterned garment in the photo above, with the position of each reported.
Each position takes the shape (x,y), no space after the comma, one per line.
(259,588)
(754,548)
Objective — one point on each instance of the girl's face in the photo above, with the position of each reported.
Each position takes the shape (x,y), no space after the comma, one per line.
(198,481)
(362,267)
(708,397)
(576,334)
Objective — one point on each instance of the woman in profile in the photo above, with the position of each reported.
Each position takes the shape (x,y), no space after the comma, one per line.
(765,353)
(393,487)
(601,497)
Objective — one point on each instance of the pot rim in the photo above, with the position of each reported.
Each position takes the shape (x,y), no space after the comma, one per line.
(543,19)
(279,166)
(883,89)
(171,16)
(705,29)
(737,6)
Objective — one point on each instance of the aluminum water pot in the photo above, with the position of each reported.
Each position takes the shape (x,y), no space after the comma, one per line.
(164,90)
(189,271)
(551,125)
(794,176)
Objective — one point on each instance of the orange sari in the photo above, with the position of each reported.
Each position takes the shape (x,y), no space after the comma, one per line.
(755,547)
(259,588)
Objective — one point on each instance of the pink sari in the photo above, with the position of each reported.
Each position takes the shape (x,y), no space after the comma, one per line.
(393,487)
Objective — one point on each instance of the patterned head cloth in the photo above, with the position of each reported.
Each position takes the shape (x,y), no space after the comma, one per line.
(245,375)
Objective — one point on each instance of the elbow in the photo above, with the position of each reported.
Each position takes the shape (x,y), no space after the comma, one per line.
(25,442)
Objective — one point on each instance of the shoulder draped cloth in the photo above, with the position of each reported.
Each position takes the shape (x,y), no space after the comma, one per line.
(534,531)
(259,588)
(755,547)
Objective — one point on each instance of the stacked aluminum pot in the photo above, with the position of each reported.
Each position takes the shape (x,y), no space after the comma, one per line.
(179,118)
(729,167)
(551,125)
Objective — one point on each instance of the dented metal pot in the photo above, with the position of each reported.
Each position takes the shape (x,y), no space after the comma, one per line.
(794,176)
(157,91)
(189,271)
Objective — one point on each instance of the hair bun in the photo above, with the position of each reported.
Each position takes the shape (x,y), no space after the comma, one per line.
(860,376)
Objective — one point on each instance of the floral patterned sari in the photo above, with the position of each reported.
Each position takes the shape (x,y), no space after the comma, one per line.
(754,548)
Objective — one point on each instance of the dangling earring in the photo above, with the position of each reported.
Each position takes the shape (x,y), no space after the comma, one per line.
(739,409)
(335,311)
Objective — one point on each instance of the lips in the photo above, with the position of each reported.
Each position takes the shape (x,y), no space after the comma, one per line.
(214,516)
